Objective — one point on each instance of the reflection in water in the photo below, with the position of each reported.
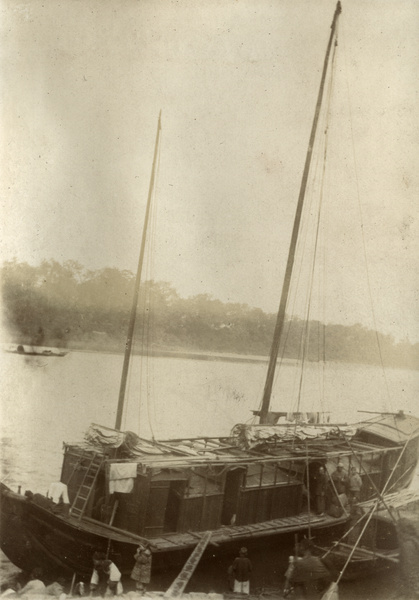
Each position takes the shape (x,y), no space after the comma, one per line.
(8,465)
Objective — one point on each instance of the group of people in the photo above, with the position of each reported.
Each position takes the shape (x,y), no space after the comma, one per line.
(338,492)
(350,484)
(106,577)
(305,577)
(105,580)
(305,572)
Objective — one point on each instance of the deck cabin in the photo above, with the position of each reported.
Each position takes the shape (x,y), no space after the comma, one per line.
(256,475)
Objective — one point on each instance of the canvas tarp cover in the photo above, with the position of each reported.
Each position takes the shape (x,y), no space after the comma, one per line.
(103,437)
(249,436)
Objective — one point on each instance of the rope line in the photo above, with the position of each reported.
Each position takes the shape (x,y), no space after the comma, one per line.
(365,254)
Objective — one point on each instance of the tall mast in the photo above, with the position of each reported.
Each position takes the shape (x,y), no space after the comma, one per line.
(267,392)
(130,334)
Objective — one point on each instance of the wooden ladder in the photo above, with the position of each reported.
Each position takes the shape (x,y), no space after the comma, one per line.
(77,465)
(83,494)
(181,581)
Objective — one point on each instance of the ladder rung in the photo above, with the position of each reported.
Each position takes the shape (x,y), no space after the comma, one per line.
(92,472)
(82,497)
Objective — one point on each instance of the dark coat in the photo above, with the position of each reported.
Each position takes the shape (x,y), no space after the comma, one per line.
(242,567)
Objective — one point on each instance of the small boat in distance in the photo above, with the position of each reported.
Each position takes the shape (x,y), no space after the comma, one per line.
(36,351)
(262,483)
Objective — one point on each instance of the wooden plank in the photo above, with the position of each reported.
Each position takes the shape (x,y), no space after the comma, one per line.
(287,520)
(262,526)
(372,553)
(181,581)
(225,534)
(164,543)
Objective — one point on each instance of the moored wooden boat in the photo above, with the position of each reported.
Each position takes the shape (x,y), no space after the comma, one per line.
(36,351)
(181,489)
(259,483)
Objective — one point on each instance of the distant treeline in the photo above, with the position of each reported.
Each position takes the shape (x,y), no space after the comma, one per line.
(67,305)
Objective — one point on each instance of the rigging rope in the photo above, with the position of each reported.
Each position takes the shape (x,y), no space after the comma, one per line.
(386,404)
(148,363)
(306,340)
(152,313)
(302,244)
(146,310)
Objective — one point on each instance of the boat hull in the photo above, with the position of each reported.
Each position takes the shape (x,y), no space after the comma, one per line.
(33,536)
(161,511)
(363,563)
(376,548)
(44,353)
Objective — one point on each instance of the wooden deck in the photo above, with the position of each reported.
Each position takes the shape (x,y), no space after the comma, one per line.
(225,534)
(244,532)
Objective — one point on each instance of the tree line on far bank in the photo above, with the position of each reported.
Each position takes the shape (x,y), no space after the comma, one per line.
(66,305)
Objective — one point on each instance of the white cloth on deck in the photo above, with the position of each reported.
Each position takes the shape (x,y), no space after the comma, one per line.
(121,477)
(58,491)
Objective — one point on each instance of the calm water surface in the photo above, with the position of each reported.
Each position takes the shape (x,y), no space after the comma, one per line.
(46,401)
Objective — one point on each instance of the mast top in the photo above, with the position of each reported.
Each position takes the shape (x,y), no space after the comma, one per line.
(338,8)
(295,233)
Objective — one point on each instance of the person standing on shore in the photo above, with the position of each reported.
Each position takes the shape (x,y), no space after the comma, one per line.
(106,577)
(141,573)
(242,568)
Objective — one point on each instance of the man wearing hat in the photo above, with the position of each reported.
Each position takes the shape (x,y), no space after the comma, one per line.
(242,567)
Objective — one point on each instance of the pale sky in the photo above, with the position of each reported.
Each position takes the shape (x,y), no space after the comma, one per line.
(83,82)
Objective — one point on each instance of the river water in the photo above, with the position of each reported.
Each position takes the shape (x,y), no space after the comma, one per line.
(48,400)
